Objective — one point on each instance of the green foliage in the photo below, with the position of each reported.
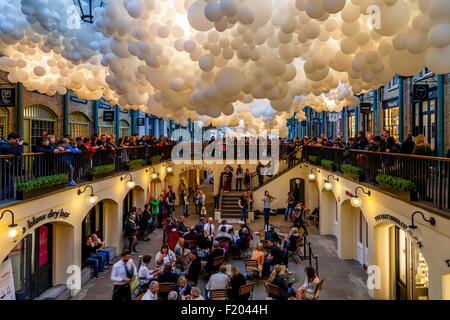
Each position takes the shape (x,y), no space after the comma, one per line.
(351,169)
(156,159)
(328,164)
(42,182)
(99,170)
(313,159)
(134,164)
(396,182)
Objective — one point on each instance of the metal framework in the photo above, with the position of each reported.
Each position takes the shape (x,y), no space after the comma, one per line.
(86,9)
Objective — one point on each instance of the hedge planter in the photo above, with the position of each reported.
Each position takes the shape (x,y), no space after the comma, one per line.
(96,177)
(329,165)
(313,159)
(25,195)
(404,195)
(134,164)
(352,176)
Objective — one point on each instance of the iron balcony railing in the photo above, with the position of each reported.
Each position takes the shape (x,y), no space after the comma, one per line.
(430,174)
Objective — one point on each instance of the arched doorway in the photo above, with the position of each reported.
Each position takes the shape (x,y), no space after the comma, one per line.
(124,128)
(362,235)
(403,268)
(312,195)
(328,213)
(297,187)
(347,233)
(37,118)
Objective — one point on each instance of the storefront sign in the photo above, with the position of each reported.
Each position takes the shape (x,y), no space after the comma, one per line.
(78,100)
(189,168)
(102,105)
(420,92)
(365,108)
(46,216)
(390,103)
(7,97)
(43,245)
(7,291)
(108,116)
(140,122)
(388,217)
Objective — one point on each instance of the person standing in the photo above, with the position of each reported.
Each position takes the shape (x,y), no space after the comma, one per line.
(185,202)
(247,177)
(131,233)
(259,171)
(196,201)
(290,206)
(244,203)
(122,274)
(202,202)
(239,177)
(267,200)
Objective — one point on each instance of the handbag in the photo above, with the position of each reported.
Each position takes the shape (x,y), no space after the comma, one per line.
(135,285)
(203,212)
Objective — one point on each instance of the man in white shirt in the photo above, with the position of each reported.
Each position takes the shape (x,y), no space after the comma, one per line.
(145,274)
(209,231)
(152,292)
(122,273)
(217,281)
(229,228)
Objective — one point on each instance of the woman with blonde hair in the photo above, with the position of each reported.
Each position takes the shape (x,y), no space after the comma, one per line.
(237,280)
(183,288)
(258,255)
(196,294)
(278,280)
(422,148)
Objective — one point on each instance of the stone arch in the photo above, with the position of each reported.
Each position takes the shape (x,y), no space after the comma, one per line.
(328,213)
(347,231)
(312,194)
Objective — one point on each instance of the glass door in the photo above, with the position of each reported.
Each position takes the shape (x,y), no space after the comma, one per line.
(43,259)
(419,275)
(401,264)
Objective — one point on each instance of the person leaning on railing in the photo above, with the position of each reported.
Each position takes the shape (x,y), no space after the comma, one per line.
(11,146)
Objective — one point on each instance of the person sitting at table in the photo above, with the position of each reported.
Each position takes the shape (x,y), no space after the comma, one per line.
(278,280)
(272,234)
(183,253)
(181,227)
(200,225)
(217,281)
(152,292)
(290,245)
(241,243)
(183,288)
(258,255)
(145,274)
(274,257)
(307,291)
(194,235)
(173,295)
(215,252)
(242,227)
(196,294)
(236,281)
(229,227)
(167,276)
(165,255)
(223,235)
(210,231)
(193,271)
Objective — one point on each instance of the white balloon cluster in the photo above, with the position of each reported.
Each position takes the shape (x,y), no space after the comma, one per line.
(204,59)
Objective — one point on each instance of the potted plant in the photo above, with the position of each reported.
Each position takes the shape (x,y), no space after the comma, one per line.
(134,164)
(329,165)
(402,188)
(38,186)
(313,159)
(156,159)
(352,172)
(99,172)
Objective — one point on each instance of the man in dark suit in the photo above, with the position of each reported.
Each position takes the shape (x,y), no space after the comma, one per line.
(275,257)
(214,253)
(193,271)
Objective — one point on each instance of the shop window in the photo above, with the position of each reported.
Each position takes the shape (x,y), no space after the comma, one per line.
(79,125)
(105,129)
(38,118)
(3,123)
(124,128)
(351,125)
(391,121)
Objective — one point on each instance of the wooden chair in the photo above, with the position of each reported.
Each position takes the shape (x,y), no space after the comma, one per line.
(318,288)
(139,297)
(297,252)
(218,261)
(273,290)
(218,294)
(191,244)
(166,287)
(247,289)
(251,268)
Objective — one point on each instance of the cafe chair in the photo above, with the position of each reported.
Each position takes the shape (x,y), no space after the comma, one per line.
(273,291)
(247,289)
(251,268)
(218,261)
(318,288)
(297,252)
(191,244)
(218,294)
(165,288)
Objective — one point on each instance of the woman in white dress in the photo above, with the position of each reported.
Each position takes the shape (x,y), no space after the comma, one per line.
(307,291)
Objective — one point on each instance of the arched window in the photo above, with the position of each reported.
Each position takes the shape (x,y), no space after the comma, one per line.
(3,123)
(124,127)
(38,118)
(79,125)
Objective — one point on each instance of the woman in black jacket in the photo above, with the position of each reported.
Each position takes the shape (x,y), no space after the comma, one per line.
(237,280)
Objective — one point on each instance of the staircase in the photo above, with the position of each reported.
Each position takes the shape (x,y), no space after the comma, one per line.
(230,208)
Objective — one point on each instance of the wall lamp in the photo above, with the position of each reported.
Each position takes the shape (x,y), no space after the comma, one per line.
(155,175)
(92,199)
(169,169)
(327,185)
(356,201)
(312,175)
(130,184)
(431,220)
(14,230)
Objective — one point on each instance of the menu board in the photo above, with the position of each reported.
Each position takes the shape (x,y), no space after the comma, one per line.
(7,281)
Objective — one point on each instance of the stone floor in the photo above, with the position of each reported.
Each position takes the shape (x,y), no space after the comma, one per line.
(344,279)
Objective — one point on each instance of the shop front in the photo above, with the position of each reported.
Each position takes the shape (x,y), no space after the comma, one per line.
(424,117)
(351,123)
(391,117)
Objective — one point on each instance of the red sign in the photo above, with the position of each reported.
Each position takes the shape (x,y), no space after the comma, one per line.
(43,245)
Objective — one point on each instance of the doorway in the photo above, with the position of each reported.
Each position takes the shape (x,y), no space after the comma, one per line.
(362,246)
(297,187)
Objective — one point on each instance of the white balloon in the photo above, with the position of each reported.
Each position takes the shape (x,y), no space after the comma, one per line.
(229,81)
